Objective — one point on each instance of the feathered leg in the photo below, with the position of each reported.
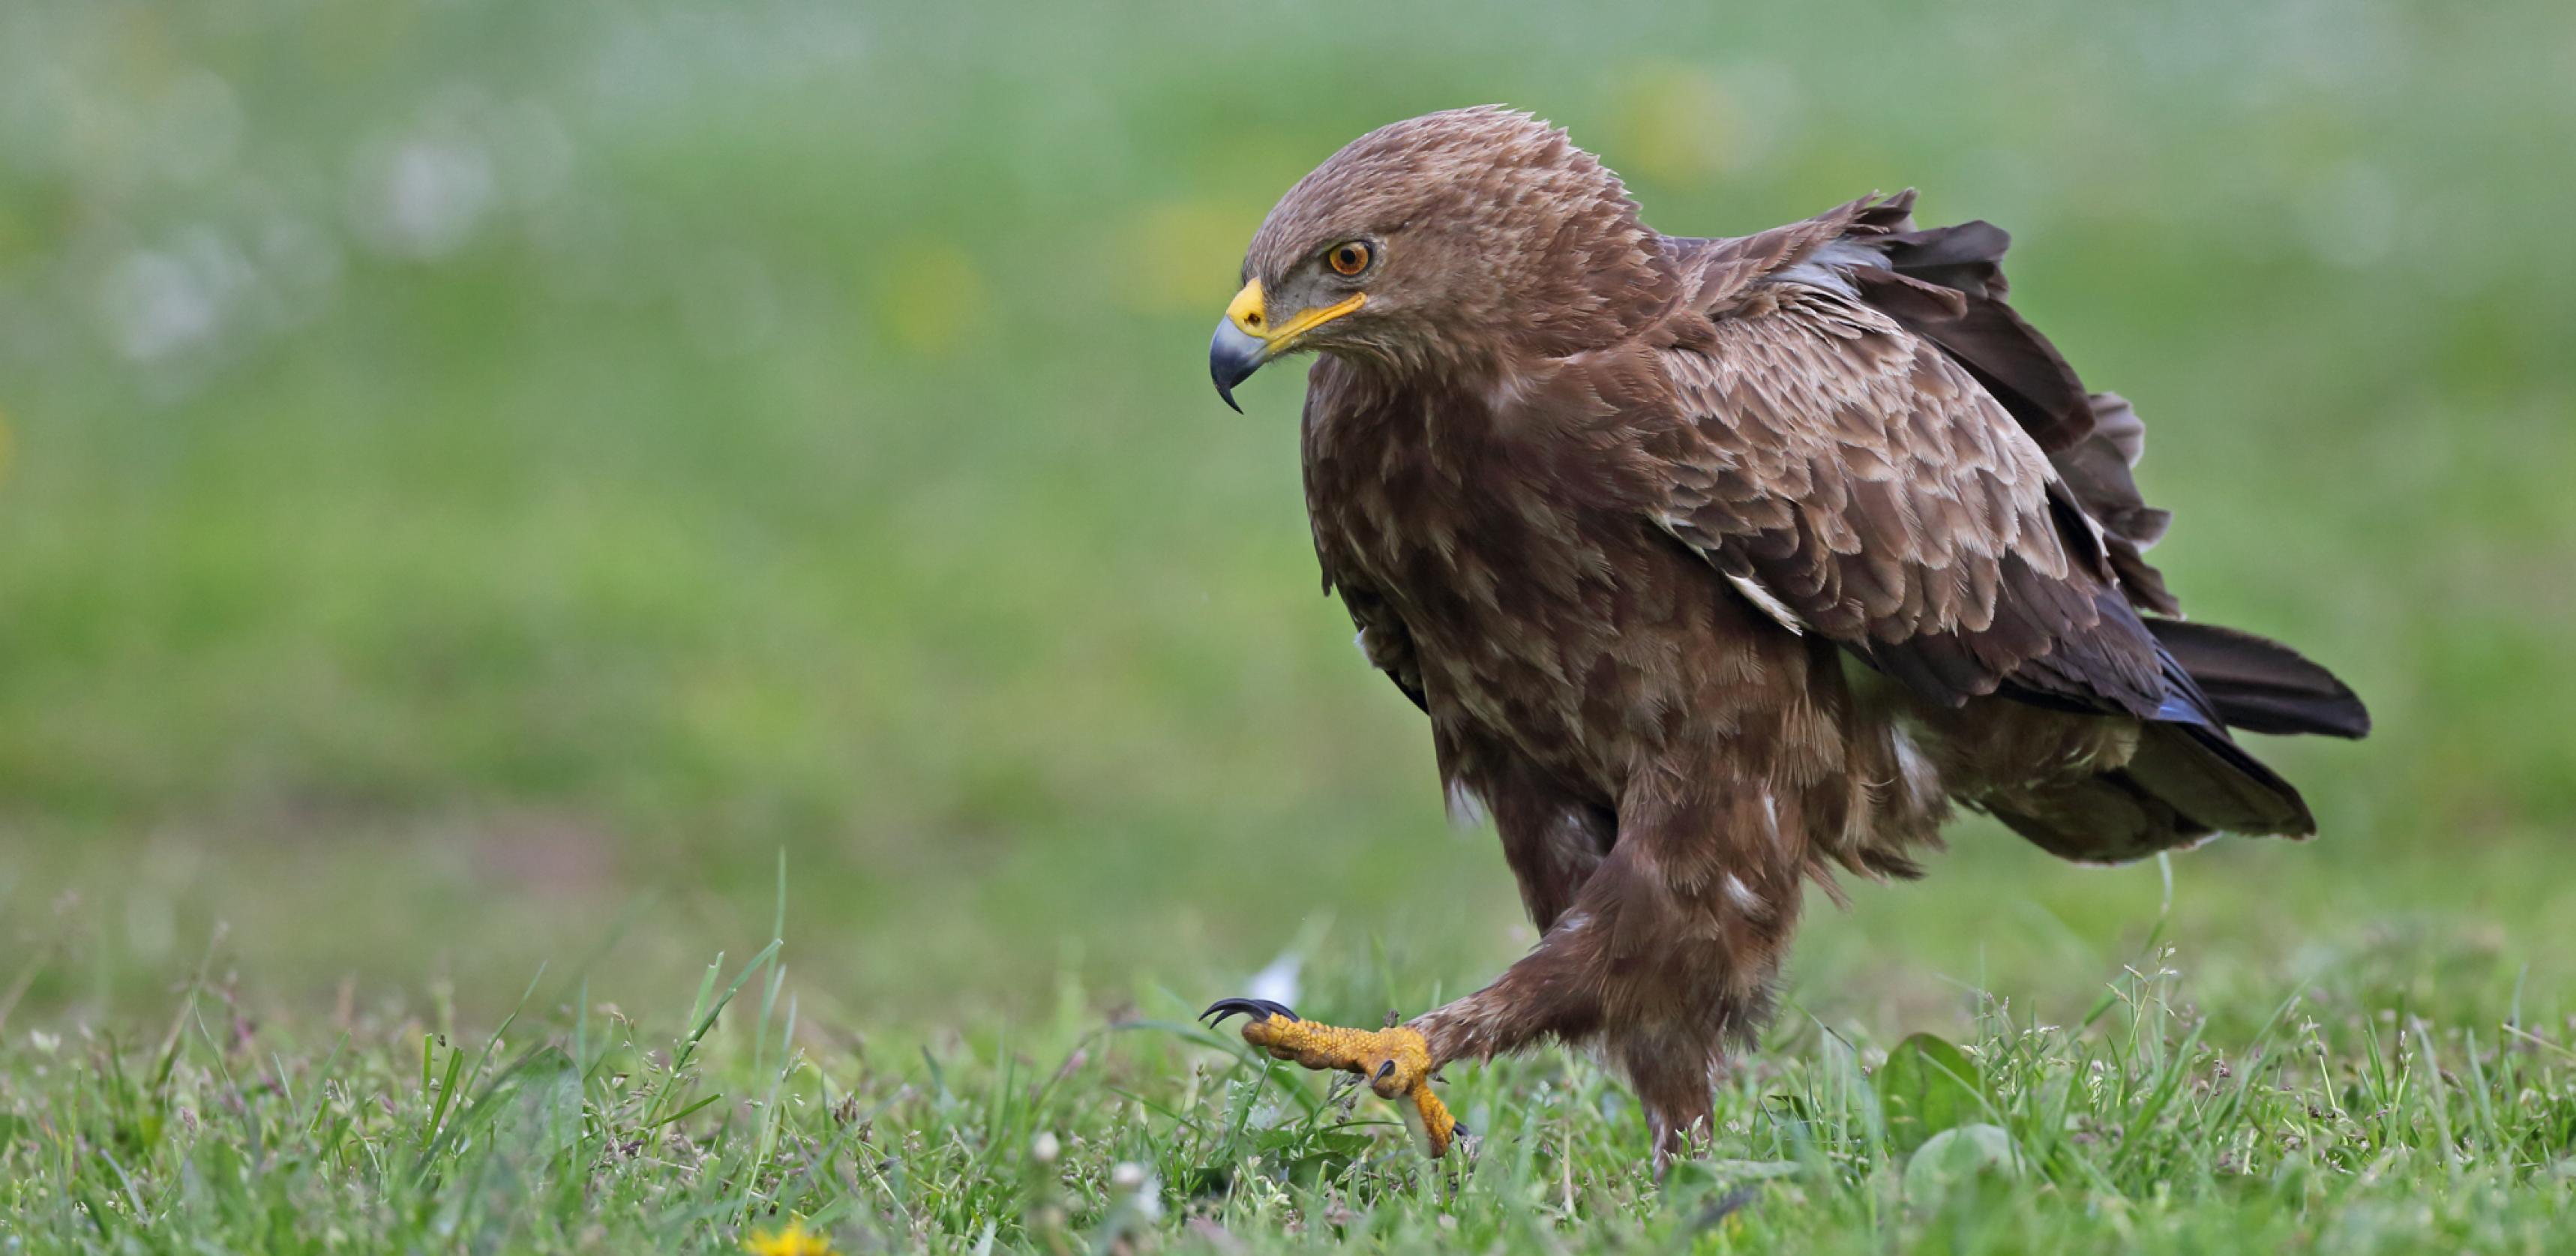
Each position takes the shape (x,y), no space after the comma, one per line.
(1667,953)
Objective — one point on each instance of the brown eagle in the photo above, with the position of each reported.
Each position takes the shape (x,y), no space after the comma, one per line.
(1719,564)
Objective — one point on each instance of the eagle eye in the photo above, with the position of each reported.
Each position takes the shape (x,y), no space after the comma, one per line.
(1348,258)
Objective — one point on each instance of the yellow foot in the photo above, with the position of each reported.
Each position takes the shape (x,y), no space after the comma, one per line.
(1397,1062)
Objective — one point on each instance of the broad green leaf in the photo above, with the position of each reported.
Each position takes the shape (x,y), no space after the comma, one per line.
(1927,1086)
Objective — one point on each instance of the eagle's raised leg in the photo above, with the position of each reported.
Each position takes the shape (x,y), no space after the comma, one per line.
(1664,920)
(1553,842)
(1666,953)
(1661,1000)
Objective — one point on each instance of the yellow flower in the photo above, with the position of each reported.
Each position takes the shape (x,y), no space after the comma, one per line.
(794,1240)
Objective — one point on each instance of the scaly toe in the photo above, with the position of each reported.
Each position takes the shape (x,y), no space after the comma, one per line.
(1431,1118)
(1396,1061)
(1393,1061)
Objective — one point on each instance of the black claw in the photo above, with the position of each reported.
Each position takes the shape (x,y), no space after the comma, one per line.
(1385,1069)
(1458,1129)
(1257,1009)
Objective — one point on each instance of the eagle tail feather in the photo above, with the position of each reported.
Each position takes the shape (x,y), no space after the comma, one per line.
(2188,779)
(2186,783)
(2214,783)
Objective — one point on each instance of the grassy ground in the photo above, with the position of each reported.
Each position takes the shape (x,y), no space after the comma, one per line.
(2337,1124)
(478,482)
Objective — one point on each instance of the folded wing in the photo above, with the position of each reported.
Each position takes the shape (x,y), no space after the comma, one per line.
(1873,447)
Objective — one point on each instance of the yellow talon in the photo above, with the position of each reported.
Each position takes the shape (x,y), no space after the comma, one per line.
(1397,1061)
(1439,1129)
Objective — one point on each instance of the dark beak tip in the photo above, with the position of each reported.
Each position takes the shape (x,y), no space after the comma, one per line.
(1233,356)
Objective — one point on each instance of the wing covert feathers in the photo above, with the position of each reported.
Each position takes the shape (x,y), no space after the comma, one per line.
(1866,481)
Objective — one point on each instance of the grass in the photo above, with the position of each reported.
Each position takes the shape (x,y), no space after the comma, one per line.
(479,480)
(2335,1124)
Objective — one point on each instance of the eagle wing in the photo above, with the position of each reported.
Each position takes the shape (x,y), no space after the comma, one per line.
(1848,422)
(1857,480)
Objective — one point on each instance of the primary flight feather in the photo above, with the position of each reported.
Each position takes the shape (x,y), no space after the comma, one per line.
(1717,565)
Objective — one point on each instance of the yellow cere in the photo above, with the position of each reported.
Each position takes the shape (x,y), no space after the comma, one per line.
(1247,312)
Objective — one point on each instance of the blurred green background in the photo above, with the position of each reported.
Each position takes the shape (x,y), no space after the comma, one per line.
(476,471)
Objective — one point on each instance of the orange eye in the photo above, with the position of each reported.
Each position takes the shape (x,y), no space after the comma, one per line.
(1348,259)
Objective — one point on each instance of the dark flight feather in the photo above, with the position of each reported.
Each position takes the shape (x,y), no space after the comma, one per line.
(2261,685)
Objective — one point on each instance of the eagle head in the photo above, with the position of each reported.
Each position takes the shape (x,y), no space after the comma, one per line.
(1441,243)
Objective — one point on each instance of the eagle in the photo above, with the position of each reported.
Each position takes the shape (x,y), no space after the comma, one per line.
(1720,566)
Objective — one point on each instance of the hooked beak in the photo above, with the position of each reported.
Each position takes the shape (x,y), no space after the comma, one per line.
(1246,338)
(1233,355)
